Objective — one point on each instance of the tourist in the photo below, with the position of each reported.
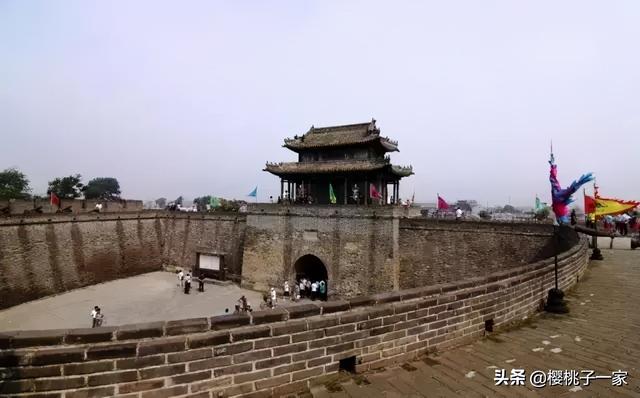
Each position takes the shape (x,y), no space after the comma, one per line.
(98,207)
(243,303)
(458,214)
(274,297)
(286,291)
(180,279)
(574,217)
(94,316)
(296,292)
(322,288)
(187,283)
(270,199)
(303,285)
(201,282)
(314,291)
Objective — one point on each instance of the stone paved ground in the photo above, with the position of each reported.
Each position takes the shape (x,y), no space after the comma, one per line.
(602,334)
(144,298)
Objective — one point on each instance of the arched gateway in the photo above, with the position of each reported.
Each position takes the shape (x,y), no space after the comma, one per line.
(312,268)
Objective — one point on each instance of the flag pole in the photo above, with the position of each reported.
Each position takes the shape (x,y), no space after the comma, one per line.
(596,254)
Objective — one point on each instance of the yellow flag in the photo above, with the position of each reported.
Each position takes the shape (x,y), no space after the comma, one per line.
(605,206)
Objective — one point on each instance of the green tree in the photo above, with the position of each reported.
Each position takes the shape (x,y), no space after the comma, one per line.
(105,188)
(202,202)
(509,209)
(179,200)
(161,202)
(66,187)
(543,213)
(13,185)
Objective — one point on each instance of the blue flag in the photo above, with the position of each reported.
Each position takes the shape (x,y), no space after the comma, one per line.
(254,193)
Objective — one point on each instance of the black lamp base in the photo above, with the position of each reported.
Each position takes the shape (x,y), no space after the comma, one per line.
(555,302)
(596,255)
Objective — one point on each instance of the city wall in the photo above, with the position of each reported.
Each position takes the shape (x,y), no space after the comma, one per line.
(275,352)
(48,254)
(365,250)
(376,249)
(76,206)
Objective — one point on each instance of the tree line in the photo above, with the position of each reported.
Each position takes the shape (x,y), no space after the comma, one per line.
(14,184)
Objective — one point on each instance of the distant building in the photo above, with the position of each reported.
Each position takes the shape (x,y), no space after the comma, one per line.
(350,158)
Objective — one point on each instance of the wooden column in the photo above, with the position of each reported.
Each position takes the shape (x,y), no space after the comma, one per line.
(281,189)
(345,190)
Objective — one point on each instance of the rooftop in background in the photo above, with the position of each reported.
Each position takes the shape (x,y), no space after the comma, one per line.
(345,135)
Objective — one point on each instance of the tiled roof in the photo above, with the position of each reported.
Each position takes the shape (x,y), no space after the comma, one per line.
(350,134)
(335,167)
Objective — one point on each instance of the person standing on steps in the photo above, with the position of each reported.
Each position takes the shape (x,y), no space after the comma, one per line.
(287,294)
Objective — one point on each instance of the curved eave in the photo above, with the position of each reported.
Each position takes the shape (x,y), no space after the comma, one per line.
(310,168)
(297,145)
(402,171)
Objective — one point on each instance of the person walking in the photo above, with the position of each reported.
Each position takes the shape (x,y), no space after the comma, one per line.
(322,288)
(187,283)
(302,288)
(285,288)
(274,297)
(296,292)
(201,282)
(180,279)
(94,316)
(458,214)
(314,291)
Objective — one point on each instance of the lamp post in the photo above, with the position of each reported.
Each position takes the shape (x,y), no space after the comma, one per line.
(555,299)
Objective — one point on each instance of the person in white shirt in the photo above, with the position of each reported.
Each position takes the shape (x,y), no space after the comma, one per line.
(286,290)
(94,313)
(180,278)
(458,214)
(274,297)
(314,290)
(302,286)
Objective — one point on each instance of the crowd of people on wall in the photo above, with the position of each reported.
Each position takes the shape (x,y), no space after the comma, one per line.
(622,224)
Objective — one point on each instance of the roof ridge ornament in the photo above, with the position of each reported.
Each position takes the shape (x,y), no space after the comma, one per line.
(372,125)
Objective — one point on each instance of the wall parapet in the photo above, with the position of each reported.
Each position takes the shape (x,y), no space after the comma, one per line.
(275,352)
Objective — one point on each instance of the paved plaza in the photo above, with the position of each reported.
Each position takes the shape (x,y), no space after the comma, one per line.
(150,297)
(601,334)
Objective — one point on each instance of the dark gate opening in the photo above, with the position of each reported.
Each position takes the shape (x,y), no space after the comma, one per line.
(312,268)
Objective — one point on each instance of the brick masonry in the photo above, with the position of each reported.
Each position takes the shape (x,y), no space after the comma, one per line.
(43,255)
(376,249)
(268,353)
(364,249)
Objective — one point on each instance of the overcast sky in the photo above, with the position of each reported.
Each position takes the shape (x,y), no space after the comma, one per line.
(193,97)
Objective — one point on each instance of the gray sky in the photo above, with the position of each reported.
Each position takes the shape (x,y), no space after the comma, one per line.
(192,97)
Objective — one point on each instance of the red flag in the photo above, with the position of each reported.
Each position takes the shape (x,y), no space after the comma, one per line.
(442,204)
(589,204)
(55,200)
(373,192)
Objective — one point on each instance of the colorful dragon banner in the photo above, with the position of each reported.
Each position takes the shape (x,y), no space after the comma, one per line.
(561,198)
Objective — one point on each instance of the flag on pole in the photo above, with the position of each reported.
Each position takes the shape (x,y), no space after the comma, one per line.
(373,192)
(540,205)
(589,204)
(254,193)
(55,200)
(214,202)
(442,204)
(332,195)
(605,206)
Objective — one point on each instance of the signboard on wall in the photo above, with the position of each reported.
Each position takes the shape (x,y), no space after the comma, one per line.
(209,262)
